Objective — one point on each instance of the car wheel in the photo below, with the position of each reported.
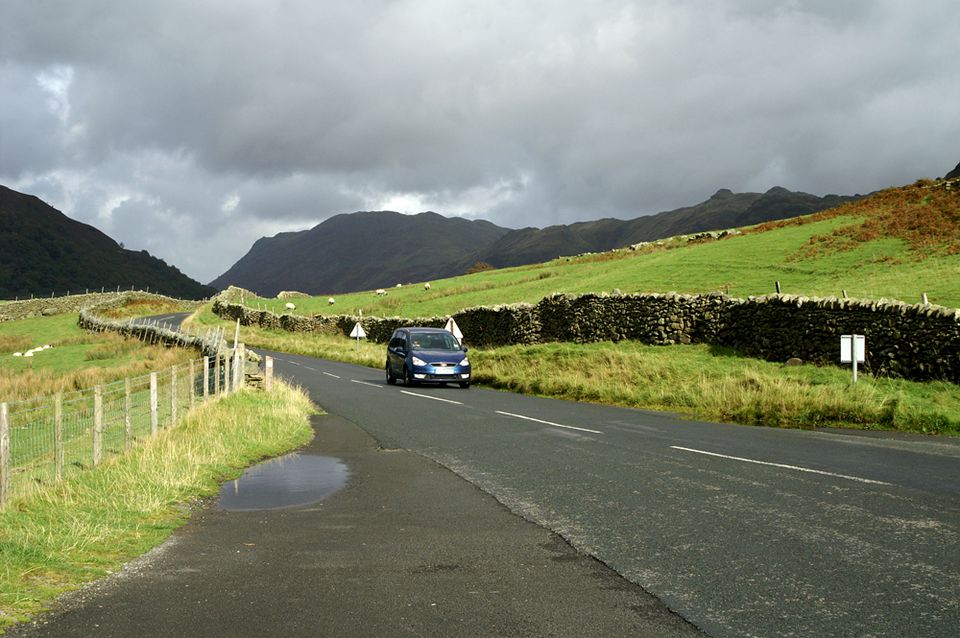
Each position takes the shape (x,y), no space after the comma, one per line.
(465,384)
(408,378)
(391,380)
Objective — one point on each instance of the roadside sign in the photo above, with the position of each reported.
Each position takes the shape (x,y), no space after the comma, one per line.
(453,328)
(359,334)
(850,342)
(853,349)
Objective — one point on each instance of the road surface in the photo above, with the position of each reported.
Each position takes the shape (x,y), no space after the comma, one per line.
(743,531)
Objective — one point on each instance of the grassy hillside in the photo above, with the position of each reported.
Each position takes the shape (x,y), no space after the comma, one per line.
(896,244)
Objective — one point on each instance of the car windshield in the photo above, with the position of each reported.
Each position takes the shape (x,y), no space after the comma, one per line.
(434,341)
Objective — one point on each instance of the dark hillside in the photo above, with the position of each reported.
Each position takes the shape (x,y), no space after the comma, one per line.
(360,251)
(42,251)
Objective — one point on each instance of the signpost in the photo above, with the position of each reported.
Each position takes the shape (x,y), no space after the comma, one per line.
(358,333)
(453,329)
(853,349)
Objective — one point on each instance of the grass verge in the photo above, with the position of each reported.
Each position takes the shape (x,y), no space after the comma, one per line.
(697,381)
(87,527)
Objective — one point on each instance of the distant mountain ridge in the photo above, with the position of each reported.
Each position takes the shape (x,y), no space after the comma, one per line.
(725,209)
(42,250)
(370,249)
(367,250)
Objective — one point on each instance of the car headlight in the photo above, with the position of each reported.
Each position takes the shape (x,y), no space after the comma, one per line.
(417,361)
(465,362)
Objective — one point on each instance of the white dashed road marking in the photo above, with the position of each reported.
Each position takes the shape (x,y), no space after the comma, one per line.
(781,465)
(426,396)
(556,425)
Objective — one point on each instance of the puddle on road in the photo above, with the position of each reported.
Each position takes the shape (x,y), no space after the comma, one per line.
(288,481)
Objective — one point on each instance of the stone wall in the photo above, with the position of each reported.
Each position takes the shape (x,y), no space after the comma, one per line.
(91,319)
(919,342)
(29,308)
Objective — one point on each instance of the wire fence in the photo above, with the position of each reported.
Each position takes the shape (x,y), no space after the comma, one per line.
(47,439)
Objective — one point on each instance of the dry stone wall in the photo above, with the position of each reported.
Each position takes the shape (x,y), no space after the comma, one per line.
(919,342)
(29,308)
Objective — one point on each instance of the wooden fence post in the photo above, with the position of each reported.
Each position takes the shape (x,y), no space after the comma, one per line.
(206,377)
(127,429)
(173,396)
(58,436)
(97,425)
(216,374)
(4,454)
(153,403)
(226,373)
(268,373)
(193,380)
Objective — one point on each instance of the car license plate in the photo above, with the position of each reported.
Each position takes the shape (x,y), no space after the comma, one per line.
(443,370)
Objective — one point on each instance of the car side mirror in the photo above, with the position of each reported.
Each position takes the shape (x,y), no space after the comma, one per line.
(465,348)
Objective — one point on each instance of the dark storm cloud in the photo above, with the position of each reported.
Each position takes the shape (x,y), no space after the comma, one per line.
(213,123)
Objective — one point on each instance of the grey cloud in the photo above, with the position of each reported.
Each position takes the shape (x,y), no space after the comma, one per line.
(258,116)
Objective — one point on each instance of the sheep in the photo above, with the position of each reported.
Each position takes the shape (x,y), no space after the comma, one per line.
(290,306)
(331,301)
(399,285)
(381,292)
(426,286)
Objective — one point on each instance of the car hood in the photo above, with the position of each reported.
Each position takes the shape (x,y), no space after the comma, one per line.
(440,356)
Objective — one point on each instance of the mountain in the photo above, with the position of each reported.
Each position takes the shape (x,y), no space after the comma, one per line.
(359,251)
(366,250)
(953,174)
(724,209)
(43,251)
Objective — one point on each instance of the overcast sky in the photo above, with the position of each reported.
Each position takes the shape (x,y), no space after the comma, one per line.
(191,129)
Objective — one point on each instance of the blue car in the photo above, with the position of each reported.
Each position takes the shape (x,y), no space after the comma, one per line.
(427,355)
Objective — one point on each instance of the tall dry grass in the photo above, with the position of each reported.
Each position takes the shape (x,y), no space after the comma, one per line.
(117,357)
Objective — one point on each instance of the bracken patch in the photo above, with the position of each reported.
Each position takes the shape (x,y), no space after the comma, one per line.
(925,215)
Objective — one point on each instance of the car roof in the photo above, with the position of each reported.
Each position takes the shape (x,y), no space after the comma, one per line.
(425,329)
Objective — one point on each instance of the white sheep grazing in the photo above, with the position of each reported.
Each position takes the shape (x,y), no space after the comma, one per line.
(381,292)
(426,286)
(399,285)
(331,301)
(289,306)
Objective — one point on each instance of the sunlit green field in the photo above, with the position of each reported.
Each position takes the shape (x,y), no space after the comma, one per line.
(77,359)
(741,266)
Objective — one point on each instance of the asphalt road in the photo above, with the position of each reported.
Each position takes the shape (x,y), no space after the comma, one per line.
(743,531)
(405,548)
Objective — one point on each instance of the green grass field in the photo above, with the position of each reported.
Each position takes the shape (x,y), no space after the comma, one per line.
(741,266)
(78,358)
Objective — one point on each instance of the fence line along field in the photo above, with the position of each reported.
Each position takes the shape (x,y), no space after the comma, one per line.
(86,395)
(44,440)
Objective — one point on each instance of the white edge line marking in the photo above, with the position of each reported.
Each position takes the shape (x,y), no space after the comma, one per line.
(331,375)
(426,396)
(781,465)
(365,383)
(556,425)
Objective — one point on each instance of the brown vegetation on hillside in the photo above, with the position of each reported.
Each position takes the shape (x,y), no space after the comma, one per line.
(925,215)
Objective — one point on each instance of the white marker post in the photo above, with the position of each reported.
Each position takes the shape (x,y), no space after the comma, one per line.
(853,350)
